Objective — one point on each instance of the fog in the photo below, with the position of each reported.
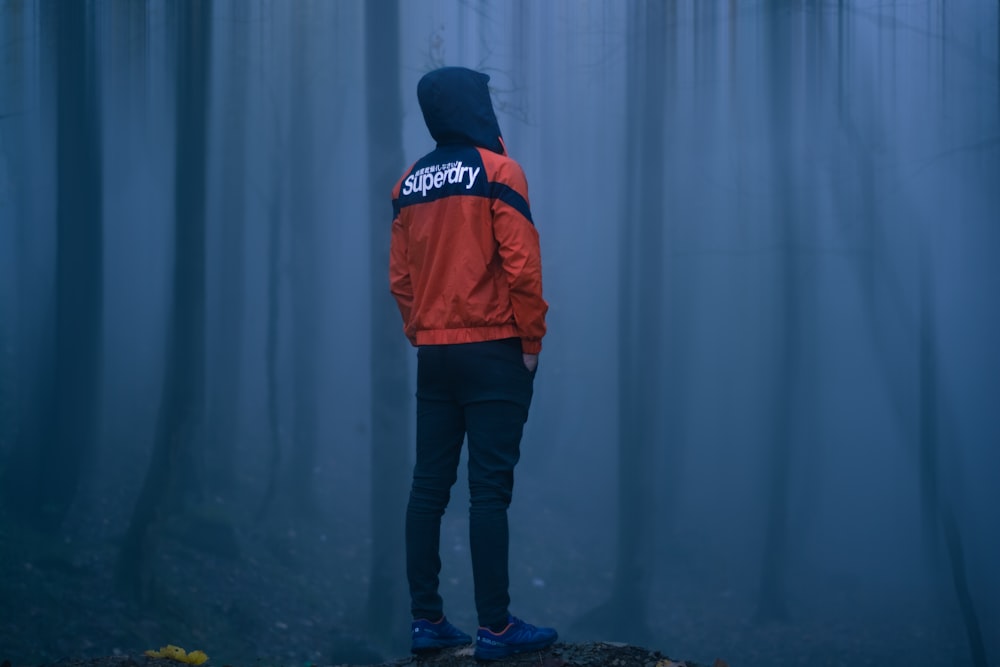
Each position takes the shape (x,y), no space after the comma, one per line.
(765,423)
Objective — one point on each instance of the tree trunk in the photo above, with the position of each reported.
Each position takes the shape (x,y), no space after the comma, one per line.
(640,329)
(772,600)
(275,210)
(12,267)
(937,507)
(935,417)
(40,492)
(171,470)
(225,376)
(640,296)
(299,471)
(390,398)
(275,248)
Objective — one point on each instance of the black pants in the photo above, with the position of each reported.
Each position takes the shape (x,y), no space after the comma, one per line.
(482,390)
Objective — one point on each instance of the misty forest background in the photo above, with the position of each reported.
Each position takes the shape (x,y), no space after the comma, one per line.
(767,418)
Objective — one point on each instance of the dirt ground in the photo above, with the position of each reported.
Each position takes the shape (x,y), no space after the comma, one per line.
(595,654)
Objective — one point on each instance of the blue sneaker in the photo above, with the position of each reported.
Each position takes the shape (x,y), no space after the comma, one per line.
(430,636)
(517,637)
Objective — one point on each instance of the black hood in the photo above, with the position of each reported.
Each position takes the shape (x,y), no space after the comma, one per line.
(458,109)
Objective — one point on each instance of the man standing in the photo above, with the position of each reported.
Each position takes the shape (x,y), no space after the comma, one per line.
(465,270)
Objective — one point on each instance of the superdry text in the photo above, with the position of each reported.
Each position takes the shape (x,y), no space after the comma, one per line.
(436,175)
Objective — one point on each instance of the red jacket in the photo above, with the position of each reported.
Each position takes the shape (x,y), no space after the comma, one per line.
(464,261)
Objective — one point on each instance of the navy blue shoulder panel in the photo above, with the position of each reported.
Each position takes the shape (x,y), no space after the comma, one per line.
(450,171)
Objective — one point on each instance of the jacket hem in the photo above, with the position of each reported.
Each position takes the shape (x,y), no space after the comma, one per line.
(467,335)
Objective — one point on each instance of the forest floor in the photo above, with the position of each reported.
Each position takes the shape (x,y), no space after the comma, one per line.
(58,610)
(247,597)
(593,654)
(293,594)
(288,590)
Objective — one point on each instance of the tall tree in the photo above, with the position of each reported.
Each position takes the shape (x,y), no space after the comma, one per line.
(787,339)
(305,263)
(41,492)
(938,509)
(171,471)
(16,211)
(390,416)
(640,326)
(12,142)
(227,324)
(272,347)
(292,214)
(935,421)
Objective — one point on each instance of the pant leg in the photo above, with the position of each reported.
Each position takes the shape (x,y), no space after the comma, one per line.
(495,429)
(496,394)
(440,431)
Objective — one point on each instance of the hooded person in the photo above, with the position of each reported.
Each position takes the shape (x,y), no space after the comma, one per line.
(465,270)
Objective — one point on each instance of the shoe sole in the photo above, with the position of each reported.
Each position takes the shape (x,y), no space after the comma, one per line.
(437,646)
(499,654)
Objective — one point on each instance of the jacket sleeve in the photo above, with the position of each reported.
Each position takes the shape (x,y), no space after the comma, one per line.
(399,272)
(520,252)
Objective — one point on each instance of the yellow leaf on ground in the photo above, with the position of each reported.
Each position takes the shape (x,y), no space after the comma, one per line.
(178,654)
(196,657)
